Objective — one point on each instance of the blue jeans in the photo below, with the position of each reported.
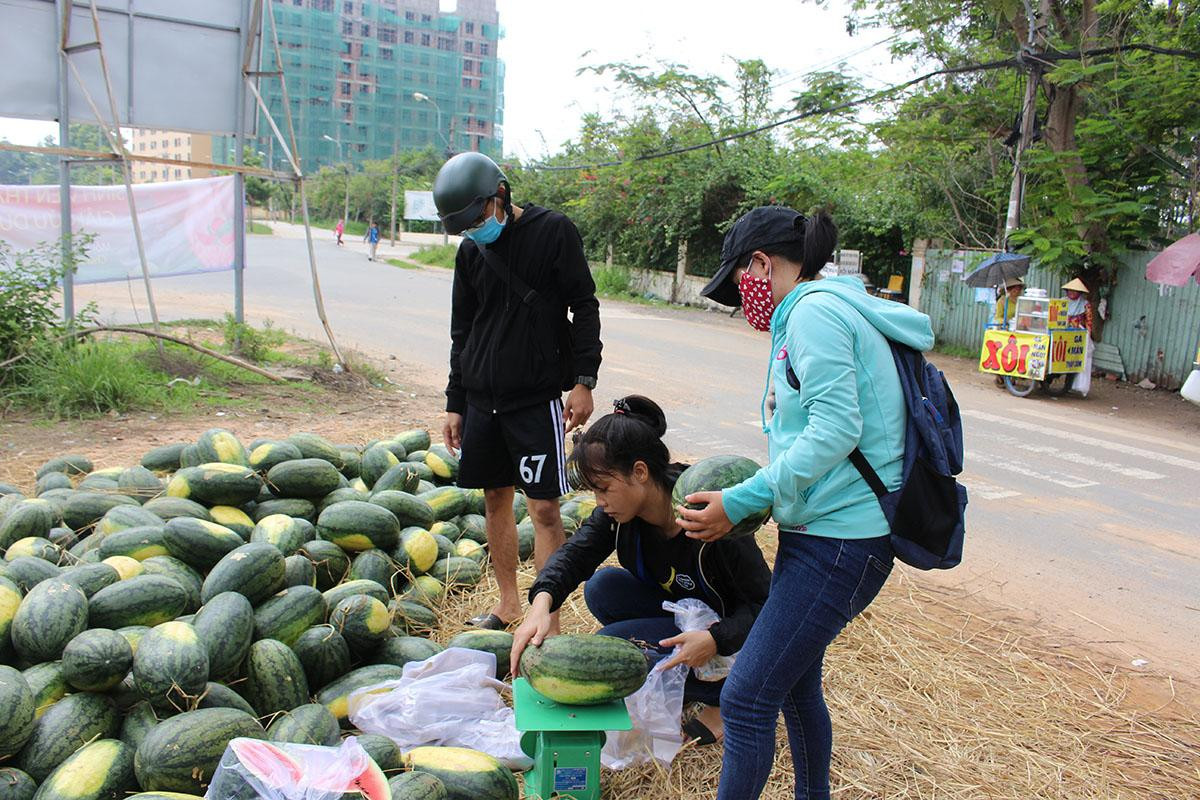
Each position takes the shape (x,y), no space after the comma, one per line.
(629,608)
(818,585)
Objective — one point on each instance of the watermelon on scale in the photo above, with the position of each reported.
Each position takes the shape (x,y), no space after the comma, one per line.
(584,669)
(717,473)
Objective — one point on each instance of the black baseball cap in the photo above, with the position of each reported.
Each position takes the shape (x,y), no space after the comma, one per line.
(757,229)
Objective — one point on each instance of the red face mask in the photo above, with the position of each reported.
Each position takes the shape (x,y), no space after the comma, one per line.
(758,303)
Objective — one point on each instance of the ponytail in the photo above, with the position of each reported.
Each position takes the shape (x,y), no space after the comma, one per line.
(820,240)
(616,442)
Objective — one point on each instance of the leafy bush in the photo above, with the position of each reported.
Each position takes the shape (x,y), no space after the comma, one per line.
(29,294)
(614,280)
(248,342)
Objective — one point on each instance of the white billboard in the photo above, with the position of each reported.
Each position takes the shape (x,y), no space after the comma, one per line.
(419,205)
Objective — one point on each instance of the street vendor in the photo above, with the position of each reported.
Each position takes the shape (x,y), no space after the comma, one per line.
(1006,301)
(1079,315)
(623,459)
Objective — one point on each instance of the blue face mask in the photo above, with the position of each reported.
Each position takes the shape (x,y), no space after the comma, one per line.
(488,232)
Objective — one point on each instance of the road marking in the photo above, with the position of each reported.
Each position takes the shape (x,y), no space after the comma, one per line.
(1068,481)
(1075,458)
(1104,427)
(977,487)
(1078,438)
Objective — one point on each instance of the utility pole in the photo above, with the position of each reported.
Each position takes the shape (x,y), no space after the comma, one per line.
(1016,195)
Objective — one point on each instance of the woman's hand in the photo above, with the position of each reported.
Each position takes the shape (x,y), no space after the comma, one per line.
(696,648)
(532,630)
(708,523)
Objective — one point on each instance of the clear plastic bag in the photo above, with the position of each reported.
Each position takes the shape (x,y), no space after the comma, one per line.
(695,615)
(656,710)
(451,699)
(279,771)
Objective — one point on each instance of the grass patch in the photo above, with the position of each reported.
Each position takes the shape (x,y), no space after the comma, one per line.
(613,281)
(955,350)
(441,255)
(118,376)
(260,229)
(402,264)
(253,344)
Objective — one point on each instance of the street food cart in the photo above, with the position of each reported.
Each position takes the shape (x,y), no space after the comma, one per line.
(1038,348)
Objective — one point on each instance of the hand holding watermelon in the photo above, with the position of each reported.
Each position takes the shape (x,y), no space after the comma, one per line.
(704,516)
(532,631)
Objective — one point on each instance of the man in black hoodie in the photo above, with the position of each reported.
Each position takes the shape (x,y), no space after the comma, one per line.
(513,352)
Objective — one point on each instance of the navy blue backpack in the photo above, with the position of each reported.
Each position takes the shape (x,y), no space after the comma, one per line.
(927,513)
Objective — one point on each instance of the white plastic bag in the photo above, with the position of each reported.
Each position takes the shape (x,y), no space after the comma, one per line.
(656,710)
(695,615)
(279,771)
(451,699)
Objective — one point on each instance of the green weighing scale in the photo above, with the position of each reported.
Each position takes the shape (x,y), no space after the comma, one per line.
(564,743)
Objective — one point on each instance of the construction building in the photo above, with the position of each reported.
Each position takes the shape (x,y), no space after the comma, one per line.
(175,145)
(366,77)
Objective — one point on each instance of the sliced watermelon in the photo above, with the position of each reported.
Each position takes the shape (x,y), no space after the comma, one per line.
(255,769)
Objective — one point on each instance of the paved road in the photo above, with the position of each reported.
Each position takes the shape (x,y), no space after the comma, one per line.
(1091,522)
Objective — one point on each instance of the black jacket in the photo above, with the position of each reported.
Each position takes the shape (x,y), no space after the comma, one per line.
(504,353)
(734,569)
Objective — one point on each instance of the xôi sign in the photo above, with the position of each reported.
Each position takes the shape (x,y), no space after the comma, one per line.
(1015,354)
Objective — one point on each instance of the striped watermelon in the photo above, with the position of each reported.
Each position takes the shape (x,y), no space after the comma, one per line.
(27,518)
(83,509)
(382,750)
(65,727)
(412,617)
(17,785)
(141,600)
(466,774)
(268,454)
(717,473)
(442,462)
(417,786)
(417,551)
(363,621)
(225,624)
(140,543)
(409,510)
(52,613)
(275,678)
(125,566)
(164,458)
(97,660)
(355,526)
(400,650)
(233,518)
(340,494)
(336,695)
(27,572)
(34,547)
(376,565)
(456,571)
(498,643)
(324,654)
(329,560)
(221,446)
(375,462)
(51,481)
(584,669)
(188,578)
(290,507)
(288,614)
(139,483)
(414,439)
(403,477)
(100,770)
(17,721)
(167,508)
(447,502)
(139,720)
(299,571)
(307,478)
(48,684)
(287,534)
(313,446)
(255,569)
(427,591)
(350,588)
(10,600)
(171,666)
(199,543)
(311,723)
(68,465)
(216,484)
(181,753)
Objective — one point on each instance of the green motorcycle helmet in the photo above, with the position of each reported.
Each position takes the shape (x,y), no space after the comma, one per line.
(462,187)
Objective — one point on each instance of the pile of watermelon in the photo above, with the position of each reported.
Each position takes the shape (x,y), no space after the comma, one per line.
(149,615)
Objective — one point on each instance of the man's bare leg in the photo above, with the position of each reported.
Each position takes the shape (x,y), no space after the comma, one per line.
(548,537)
(502,549)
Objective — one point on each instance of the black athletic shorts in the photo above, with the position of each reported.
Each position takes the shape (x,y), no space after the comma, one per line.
(522,448)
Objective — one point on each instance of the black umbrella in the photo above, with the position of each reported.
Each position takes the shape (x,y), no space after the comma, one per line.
(998,269)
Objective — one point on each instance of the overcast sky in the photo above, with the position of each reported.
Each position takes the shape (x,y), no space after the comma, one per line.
(546,41)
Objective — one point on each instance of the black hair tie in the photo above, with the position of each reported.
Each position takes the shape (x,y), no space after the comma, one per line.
(620,406)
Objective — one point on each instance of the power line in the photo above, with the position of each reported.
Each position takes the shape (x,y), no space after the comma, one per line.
(1020,60)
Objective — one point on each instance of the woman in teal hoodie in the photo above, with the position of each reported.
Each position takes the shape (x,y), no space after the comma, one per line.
(831,387)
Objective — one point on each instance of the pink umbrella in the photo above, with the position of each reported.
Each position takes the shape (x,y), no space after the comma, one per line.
(1177,263)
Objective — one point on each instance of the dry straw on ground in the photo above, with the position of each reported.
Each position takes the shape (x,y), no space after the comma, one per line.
(929,701)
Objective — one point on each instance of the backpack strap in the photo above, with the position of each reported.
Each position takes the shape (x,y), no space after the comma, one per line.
(868,472)
(520,288)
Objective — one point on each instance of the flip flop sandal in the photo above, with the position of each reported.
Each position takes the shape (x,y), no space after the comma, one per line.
(488,622)
(699,732)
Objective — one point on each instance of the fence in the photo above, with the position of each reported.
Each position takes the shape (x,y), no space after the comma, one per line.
(1156,328)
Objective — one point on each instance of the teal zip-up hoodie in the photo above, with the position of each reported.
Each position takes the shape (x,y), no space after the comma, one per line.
(832,333)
